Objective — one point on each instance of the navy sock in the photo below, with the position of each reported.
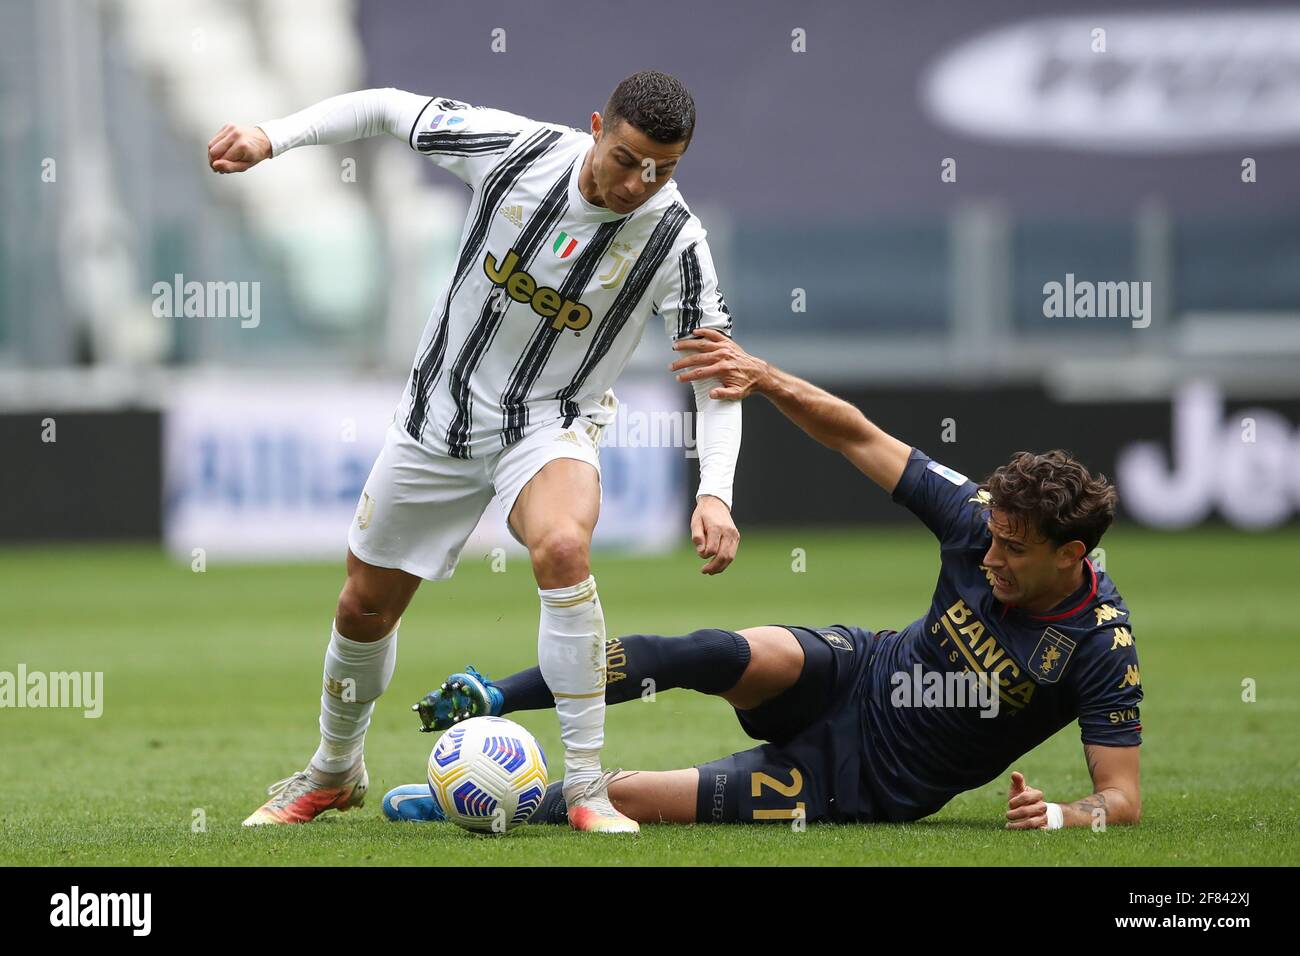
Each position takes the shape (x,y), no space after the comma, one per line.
(552,809)
(710,661)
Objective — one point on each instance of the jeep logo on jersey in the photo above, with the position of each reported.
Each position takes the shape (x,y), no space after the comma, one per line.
(546,302)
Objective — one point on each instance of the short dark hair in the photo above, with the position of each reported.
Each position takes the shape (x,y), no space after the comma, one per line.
(1055,494)
(655,103)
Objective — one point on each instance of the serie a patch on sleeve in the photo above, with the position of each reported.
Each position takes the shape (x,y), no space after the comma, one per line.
(946,473)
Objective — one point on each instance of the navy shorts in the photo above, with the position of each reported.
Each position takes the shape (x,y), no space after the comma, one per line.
(810,768)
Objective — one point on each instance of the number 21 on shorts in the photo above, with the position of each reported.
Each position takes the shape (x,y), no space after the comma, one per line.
(758,781)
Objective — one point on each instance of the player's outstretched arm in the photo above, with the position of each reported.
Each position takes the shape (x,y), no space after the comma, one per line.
(830,420)
(339,119)
(1117,798)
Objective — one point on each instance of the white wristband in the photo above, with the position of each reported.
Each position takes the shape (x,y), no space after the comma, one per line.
(1055,816)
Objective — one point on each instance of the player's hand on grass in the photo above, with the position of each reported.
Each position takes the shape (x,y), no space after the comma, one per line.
(1026,808)
(714,534)
(237,148)
(710,354)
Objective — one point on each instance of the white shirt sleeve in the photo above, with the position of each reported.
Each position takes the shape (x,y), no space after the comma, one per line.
(341,119)
(467,141)
(717,439)
(688,298)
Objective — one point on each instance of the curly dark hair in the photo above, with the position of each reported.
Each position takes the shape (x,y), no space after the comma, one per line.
(1055,494)
(655,103)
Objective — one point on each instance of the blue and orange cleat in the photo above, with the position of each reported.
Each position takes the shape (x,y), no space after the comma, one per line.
(463,695)
(413,802)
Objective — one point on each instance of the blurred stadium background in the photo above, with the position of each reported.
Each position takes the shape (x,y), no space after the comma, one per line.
(849,252)
(845,254)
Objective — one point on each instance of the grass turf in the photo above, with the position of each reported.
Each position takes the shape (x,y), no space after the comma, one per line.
(211,681)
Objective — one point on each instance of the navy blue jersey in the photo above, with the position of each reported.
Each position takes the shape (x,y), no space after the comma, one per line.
(1076,663)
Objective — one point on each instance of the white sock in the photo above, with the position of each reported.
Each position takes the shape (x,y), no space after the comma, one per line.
(571,654)
(356,674)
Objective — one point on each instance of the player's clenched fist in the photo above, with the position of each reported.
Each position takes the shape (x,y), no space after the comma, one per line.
(1026,808)
(237,148)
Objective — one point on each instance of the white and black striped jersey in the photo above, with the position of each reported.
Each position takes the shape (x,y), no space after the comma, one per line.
(550,294)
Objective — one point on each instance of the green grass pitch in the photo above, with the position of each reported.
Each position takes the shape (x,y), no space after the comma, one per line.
(211,686)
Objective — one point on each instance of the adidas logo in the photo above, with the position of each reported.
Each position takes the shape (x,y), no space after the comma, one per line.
(569,437)
(514,213)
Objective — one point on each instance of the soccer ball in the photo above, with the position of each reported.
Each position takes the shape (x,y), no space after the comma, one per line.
(488,774)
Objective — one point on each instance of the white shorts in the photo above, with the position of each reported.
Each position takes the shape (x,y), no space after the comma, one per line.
(419,507)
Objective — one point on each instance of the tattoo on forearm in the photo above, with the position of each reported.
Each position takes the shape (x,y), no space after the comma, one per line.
(1091,756)
(1089,804)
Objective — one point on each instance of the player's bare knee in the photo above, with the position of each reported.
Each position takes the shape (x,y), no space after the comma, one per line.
(784,657)
(775,663)
(561,558)
(774,651)
(361,620)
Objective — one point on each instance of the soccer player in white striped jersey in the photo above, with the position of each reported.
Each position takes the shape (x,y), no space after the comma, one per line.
(572,242)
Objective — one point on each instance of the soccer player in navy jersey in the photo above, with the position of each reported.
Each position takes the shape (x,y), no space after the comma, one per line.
(1019,610)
